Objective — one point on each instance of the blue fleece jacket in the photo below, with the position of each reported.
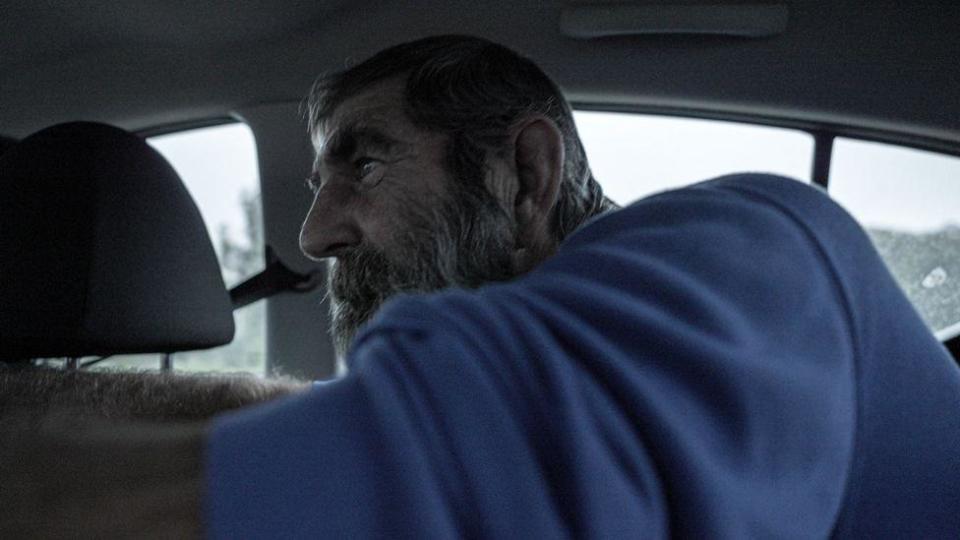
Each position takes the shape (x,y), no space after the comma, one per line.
(729,360)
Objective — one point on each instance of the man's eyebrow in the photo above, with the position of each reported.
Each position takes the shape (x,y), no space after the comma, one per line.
(345,141)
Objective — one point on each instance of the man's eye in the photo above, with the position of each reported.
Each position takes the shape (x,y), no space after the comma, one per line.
(366,169)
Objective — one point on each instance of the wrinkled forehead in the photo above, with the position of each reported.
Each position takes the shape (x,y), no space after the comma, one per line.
(378,108)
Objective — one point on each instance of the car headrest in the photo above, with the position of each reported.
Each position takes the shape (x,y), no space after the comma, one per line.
(6,143)
(102,250)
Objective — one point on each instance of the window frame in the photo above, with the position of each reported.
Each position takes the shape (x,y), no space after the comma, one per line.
(172,128)
(823,133)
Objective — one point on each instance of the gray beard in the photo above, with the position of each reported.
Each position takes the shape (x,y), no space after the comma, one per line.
(465,241)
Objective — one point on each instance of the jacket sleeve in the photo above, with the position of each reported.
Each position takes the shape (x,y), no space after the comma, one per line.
(683,366)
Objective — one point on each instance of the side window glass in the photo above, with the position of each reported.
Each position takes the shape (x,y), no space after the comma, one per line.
(909,202)
(634,155)
(218,165)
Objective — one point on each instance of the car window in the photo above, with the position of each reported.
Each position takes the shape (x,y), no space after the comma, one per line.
(634,155)
(907,199)
(909,202)
(218,165)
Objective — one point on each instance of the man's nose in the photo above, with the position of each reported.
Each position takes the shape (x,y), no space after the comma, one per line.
(329,227)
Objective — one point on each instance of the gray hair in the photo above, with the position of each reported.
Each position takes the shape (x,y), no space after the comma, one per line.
(474,91)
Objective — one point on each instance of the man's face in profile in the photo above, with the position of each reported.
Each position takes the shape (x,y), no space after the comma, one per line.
(391,216)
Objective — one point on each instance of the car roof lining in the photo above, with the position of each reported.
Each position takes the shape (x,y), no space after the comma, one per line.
(886,69)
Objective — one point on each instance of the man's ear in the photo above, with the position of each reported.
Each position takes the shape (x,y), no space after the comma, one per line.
(539,156)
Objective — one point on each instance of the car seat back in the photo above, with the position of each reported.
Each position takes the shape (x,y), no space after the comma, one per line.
(102,250)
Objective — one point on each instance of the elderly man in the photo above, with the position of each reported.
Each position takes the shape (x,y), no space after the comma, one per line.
(728,360)
(444,162)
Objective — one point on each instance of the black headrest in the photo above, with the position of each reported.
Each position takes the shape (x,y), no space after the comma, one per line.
(102,250)
(6,143)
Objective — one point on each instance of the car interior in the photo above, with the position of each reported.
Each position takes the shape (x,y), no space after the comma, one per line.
(107,260)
